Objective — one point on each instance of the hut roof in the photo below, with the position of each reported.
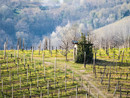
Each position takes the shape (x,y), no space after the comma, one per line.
(74,42)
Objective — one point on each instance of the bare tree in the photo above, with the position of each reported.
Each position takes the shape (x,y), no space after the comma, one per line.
(23,43)
(46,43)
(39,47)
(5,45)
(66,47)
(65,35)
(49,43)
(19,43)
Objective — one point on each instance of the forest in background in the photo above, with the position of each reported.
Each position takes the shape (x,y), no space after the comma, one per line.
(32,20)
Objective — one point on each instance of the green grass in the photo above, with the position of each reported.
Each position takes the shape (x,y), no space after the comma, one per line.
(122,67)
(32,77)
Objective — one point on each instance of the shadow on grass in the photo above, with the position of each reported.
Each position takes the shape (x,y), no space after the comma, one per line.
(108,63)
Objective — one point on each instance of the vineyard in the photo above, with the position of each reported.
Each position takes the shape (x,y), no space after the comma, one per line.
(113,72)
(29,73)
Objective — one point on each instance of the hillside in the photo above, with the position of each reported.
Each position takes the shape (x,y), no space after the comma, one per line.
(115,34)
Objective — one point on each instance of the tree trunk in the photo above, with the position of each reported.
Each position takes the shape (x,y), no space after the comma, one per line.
(4,50)
(66,51)
(23,44)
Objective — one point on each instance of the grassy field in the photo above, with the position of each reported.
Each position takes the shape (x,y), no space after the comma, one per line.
(24,76)
(116,65)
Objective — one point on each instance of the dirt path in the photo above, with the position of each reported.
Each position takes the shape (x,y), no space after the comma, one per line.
(86,78)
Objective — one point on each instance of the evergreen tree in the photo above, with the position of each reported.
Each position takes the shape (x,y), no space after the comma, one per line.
(84,46)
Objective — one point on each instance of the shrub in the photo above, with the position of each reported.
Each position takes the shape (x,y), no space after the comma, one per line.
(84,46)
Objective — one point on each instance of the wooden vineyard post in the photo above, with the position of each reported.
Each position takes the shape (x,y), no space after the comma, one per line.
(81,82)
(95,73)
(84,59)
(120,75)
(39,47)
(97,95)
(127,94)
(7,63)
(103,74)
(113,59)
(116,66)
(27,74)
(48,88)
(20,82)
(74,54)
(126,76)
(0,71)
(86,95)
(44,71)
(11,56)
(107,51)
(32,55)
(23,44)
(41,94)
(100,72)
(117,86)
(24,61)
(4,50)
(34,65)
(128,43)
(37,80)
(43,60)
(18,51)
(44,66)
(95,57)
(10,77)
(65,77)
(93,64)
(55,63)
(17,67)
(51,52)
(100,52)
(14,54)
(30,75)
(94,68)
(119,54)
(2,85)
(88,91)
(113,55)
(122,57)
(120,92)
(30,90)
(23,95)
(12,91)
(54,76)
(56,51)
(76,91)
(29,59)
(58,93)
(73,76)
(109,79)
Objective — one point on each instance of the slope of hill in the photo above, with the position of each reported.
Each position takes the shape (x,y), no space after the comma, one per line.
(115,34)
